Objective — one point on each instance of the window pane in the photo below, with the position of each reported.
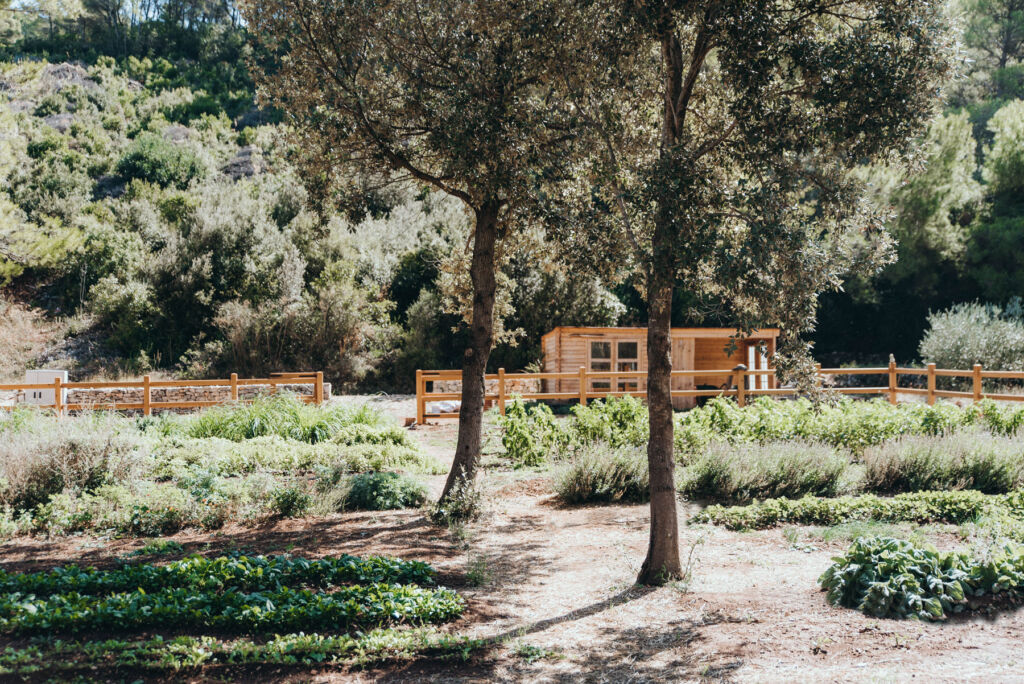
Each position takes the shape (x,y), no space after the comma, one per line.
(601,365)
(628,350)
(600,350)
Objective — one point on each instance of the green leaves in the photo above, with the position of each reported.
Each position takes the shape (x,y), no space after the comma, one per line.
(255,595)
(246,573)
(919,507)
(887,577)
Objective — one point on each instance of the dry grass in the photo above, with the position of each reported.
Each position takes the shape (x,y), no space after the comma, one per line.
(25,333)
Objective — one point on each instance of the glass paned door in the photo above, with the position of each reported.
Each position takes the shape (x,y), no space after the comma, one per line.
(601,360)
(627,358)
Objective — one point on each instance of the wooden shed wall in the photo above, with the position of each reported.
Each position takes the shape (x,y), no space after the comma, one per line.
(710,354)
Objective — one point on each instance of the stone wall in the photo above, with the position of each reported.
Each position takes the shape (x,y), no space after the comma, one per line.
(219,393)
(512,386)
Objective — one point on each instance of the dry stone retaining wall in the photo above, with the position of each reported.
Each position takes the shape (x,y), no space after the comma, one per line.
(512,386)
(220,393)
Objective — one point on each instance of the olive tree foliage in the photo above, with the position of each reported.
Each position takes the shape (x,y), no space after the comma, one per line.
(730,133)
(453,94)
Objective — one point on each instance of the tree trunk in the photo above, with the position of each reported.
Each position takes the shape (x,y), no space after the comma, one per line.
(662,564)
(481,338)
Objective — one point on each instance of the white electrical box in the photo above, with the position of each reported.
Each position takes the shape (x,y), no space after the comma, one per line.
(44,397)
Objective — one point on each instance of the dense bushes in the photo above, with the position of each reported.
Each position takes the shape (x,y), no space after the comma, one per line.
(967,334)
(150,477)
(529,432)
(286,416)
(600,474)
(164,163)
(385,491)
(968,460)
(39,462)
(725,472)
(891,578)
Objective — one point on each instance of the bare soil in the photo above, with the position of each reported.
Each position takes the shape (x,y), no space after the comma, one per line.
(552,588)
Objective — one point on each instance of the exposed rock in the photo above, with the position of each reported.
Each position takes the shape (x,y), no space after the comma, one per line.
(253,117)
(18,106)
(177,133)
(57,77)
(247,163)
(60,122)
(108,186)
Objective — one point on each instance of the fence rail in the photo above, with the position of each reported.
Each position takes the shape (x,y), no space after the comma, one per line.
(147,385)
(735,385)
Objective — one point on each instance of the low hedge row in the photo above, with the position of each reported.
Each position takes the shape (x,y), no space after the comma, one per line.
(955,507)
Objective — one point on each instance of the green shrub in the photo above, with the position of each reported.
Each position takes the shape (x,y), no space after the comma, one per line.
(966,334)
(464,503)
(174,457)
(152,159)
(920,507)
(891,578)
(616,421)
(743,472)
(528,433)
(283,415)
(76,456)
(601,474)
(291,501)
(969,460)
(385,491)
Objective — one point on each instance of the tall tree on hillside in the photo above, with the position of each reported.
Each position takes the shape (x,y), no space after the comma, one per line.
(448,93)
(996,29)
(729,138)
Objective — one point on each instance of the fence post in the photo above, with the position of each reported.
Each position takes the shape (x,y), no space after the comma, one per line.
(977,382)
(420,399)
(234,387)
(57,398)
(583,386)
(146,400)
(931,384)
(501,391)
(740,378)
(318,388)
(893,382)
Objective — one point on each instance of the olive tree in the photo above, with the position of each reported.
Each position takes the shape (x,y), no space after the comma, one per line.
(453,94)
(728,135)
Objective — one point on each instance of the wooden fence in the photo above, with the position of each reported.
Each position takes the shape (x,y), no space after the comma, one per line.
(147,405)
(735,385)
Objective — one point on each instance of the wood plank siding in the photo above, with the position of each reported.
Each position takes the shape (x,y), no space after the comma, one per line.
(566,349)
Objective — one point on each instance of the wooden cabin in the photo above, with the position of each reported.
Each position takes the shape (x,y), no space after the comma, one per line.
(566,349)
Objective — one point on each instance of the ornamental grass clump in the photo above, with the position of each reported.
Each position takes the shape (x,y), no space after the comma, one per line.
(741,472)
